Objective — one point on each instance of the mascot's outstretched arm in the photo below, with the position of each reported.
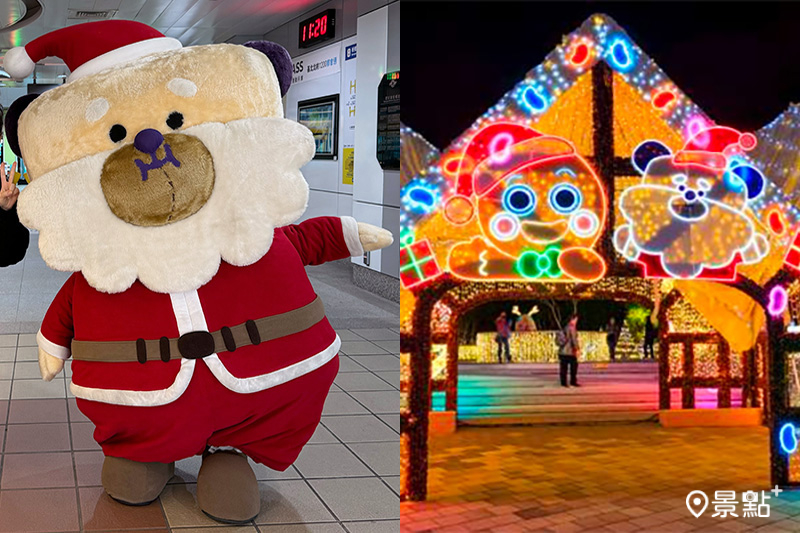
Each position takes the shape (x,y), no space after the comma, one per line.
(322,239)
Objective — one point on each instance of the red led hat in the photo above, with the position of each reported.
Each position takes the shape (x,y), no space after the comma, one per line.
(711,147)
(89,48)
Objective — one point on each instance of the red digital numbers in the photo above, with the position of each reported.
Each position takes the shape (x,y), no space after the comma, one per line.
(316,28)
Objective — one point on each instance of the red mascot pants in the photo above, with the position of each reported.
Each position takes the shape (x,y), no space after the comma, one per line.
(270,426)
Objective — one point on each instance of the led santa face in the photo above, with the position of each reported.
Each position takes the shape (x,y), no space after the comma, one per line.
(689,216)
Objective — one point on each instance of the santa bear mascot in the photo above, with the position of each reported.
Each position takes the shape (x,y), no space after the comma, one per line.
(167,180)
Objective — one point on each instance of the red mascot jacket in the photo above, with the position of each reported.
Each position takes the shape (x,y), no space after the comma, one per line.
(275,284)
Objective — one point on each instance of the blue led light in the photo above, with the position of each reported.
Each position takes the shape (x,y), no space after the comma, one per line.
(788,438)
(533,99)
(752,179)
(733,181)
(565,198)
(620,54)
(566,170)
(420,197)
(520,200)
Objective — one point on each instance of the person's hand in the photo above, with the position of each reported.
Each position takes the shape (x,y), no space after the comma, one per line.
(8,191)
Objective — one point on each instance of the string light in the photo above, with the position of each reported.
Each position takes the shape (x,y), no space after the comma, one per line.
(534,347)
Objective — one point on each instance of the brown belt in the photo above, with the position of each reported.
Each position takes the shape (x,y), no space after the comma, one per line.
(199,344)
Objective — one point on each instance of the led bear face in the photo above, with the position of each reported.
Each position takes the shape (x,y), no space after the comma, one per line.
(688,217)
(539,205)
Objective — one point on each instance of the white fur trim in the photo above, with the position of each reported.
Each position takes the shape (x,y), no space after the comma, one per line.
(139,398)
(124,54)
(273,379)
(182,87)
(258,186)
(350,231)
(18,63)
(56,350)
(215,449)
(96,109)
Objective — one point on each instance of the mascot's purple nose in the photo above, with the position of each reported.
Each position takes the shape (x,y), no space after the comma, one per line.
(148,141)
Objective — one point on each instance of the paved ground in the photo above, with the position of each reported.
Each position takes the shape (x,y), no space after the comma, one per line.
(608,478)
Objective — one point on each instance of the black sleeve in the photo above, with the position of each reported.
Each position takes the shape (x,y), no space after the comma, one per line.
(14,238)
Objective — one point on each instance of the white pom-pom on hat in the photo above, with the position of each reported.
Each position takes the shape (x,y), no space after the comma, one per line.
(18,63)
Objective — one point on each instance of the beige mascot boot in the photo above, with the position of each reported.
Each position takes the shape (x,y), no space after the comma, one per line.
(227,490)
(135,483)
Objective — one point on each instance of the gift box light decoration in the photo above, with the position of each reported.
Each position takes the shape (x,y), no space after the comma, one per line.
(417,264)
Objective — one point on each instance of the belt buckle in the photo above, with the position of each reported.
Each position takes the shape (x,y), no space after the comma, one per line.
(196,344)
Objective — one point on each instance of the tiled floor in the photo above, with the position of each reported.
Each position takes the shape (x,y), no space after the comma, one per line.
(604,478)
(346,479)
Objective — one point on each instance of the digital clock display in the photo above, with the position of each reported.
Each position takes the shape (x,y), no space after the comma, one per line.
(318,28)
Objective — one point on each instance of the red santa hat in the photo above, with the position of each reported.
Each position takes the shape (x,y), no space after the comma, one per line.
(89,48)
(712,146)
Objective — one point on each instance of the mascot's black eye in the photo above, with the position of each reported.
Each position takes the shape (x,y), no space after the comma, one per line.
(117,132)
(175,120)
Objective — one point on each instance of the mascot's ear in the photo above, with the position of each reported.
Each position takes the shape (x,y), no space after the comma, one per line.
(12,119)
(281,61)
(752,179)
(646,152)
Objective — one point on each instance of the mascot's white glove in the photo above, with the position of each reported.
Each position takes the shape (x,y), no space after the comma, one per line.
(373,237)
(49,365)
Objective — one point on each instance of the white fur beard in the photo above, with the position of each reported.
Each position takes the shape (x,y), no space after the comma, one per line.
(258,187)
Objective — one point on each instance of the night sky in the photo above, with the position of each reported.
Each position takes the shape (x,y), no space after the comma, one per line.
(740,62)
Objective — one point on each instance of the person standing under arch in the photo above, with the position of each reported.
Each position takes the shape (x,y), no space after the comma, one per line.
(569,349)
(502,336)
